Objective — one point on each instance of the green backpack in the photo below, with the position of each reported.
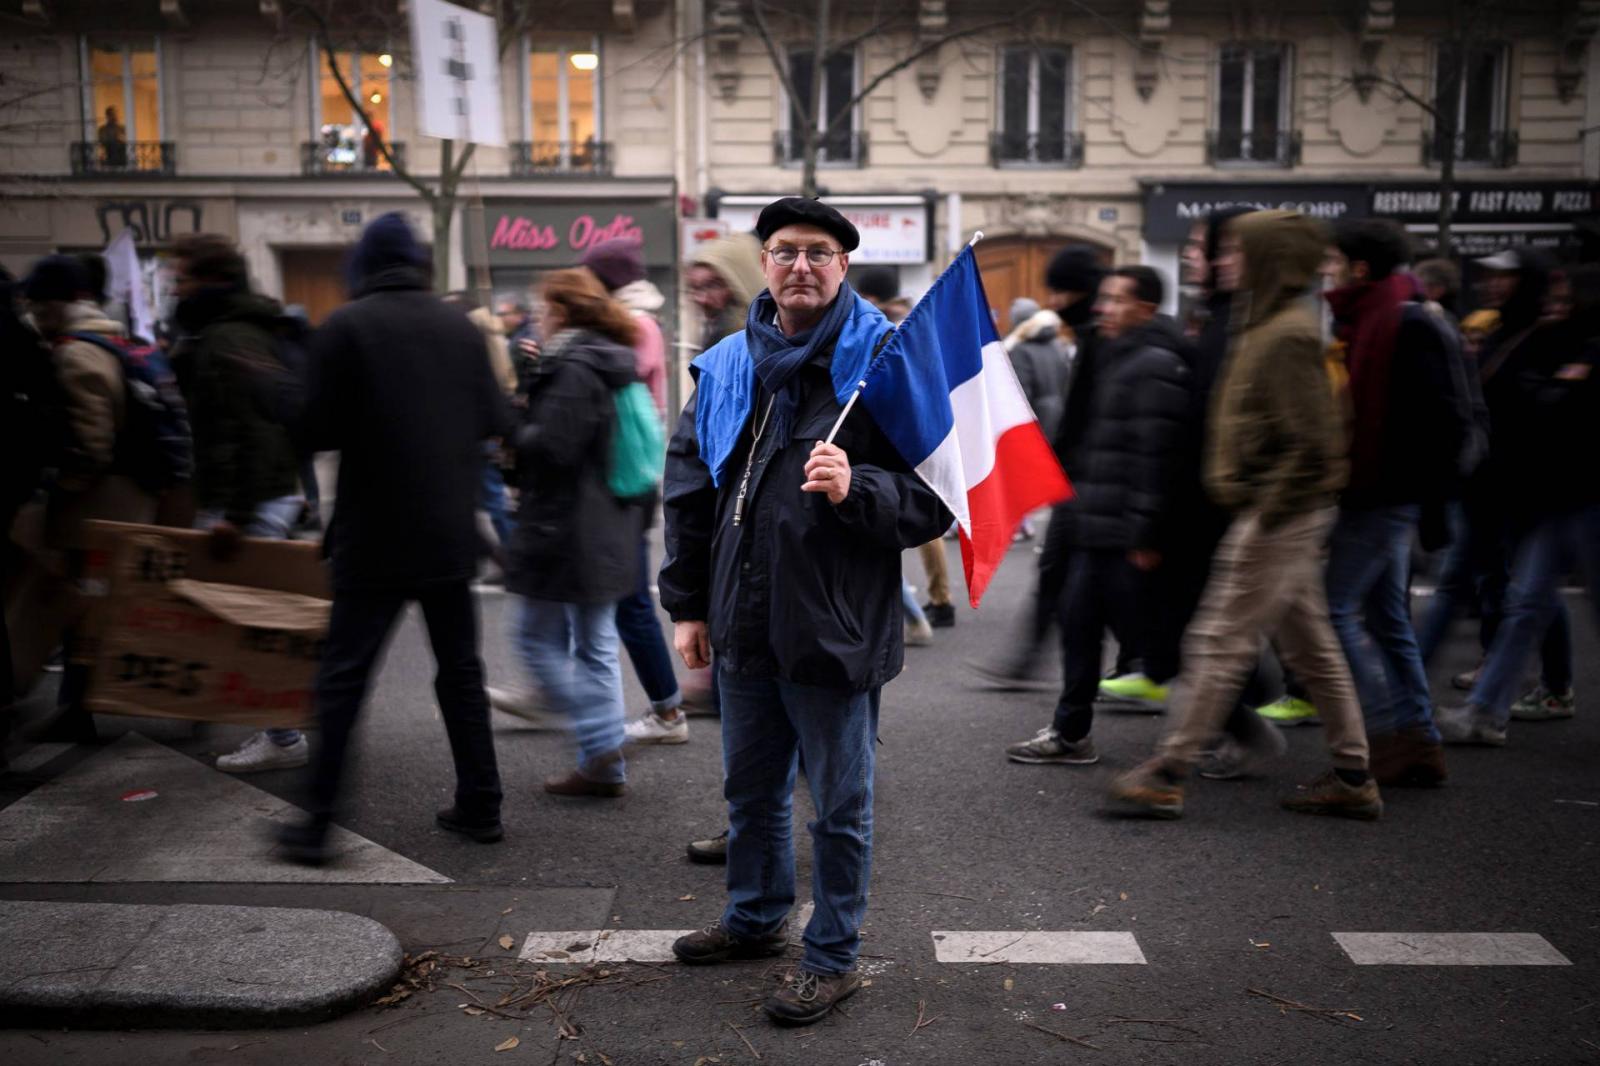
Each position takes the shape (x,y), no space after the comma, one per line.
(638,444)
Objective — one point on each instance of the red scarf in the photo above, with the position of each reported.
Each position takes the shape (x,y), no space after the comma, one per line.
(1368,321)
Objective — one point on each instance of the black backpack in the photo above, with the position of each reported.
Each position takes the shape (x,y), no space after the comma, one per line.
(283,386)
(154,447)
(1452,440)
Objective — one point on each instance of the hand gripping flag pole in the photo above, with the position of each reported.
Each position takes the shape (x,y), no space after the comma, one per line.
(862,384)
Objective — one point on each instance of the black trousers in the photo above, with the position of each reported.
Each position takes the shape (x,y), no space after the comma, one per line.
(1054,562)
(358,629)
(1102,590)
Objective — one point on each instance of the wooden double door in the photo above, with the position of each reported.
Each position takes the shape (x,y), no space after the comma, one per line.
(1015,266)
(314,279)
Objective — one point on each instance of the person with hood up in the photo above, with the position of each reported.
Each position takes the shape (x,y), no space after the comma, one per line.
(1123,467)
(618,264)
(575,552)
(400,385)
(246,473)
(1275,457)
(1547,415)
(1411,428)
(722,280)
(783,558)
(1040,361)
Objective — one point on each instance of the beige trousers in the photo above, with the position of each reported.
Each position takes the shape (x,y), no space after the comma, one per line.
(1266,583)
(938,571)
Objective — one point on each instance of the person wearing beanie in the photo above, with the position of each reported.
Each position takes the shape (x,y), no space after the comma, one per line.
(619,265)
(400,385)
(92,480)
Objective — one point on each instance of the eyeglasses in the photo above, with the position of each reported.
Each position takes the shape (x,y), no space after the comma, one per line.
(786,255)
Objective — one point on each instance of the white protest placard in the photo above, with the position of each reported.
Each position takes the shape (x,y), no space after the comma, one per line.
(455,54)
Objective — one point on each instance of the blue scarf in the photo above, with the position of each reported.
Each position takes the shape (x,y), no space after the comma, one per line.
(779,357)
(728,373)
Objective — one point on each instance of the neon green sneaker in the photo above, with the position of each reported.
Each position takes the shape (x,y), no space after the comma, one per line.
(1289,711)
(1134,689)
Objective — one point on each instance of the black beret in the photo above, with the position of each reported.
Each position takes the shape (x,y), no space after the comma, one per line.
(56,277)
(799,211)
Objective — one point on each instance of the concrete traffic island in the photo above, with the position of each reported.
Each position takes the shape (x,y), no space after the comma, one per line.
(136,966)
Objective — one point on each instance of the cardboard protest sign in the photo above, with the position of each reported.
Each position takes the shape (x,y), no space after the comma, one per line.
(178,634)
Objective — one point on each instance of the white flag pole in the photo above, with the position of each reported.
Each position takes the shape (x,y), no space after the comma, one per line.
(862,384)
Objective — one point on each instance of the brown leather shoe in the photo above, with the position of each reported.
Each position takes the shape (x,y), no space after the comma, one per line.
(1408,757)
(807,997)
(1329,794)
(1146,791)
(575,784)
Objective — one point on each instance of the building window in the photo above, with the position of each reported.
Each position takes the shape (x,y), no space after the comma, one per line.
(561,105)
(1253,100)
(121,106)
(838,143)
(1469,94)
(344,142)
(1035,108)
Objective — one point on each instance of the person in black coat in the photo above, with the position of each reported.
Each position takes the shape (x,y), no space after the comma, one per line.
(1123,459)
(575,550)
(399,385)
(783,556)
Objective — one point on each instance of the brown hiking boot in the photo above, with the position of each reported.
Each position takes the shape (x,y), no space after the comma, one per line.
(1408,757)
(575,784)
(715,943)
(1146,792)
(1329,794)
(807,997)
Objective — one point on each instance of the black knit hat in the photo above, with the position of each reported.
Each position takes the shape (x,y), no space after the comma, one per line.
(1076,268)
(799,211)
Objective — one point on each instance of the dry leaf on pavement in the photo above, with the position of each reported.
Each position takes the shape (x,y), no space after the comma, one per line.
(685,899)
(507,1044)
(506,942)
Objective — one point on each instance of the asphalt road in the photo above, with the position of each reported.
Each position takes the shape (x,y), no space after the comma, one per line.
(1238,896)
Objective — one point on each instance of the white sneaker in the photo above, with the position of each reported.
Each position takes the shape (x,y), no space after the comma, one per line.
(918,634)
(651,728)
(528,706)
(261,753)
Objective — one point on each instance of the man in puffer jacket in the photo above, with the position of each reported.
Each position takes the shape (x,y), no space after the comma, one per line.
(1123,465)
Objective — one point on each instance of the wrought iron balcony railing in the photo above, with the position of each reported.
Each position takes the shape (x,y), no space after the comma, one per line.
(837,148)
(1060,149)
(324,160)
(99,158)
(536,158)
(1488,148)
(1235,147)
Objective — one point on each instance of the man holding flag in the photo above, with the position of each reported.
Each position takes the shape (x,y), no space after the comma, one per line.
(787,507)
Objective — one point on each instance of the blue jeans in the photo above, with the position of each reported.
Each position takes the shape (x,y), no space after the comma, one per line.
(1368,565)
(908,600)
(571,651)
(1543,557)
(640,631)
(765,723)
(494,500)
(275,520)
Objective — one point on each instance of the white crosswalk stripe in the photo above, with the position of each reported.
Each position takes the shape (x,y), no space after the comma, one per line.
(601,945)
(1450,949)
(1043,946)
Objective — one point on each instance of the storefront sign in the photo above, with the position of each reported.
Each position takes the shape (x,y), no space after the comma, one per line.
(1495,203)
(551,235)
(1171,209)
(894,229)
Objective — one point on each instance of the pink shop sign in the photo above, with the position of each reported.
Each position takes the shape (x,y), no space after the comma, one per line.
(558,235)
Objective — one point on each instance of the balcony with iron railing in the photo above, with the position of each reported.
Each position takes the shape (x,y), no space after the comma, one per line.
(532,159)
(318,159)
(1062,149)
(839,148)
(1473,148)
(123,158)
(1236,148)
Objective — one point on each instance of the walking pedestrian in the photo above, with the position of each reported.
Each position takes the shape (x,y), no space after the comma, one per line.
(246,473)
(1411,432)
(722,279)
(1552,411)
(1123,465)
(619,266)
(576,549)
(400,385)
(783,560)
(1275,457)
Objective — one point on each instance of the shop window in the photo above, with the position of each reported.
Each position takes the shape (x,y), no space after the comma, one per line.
(1035,109)
(1253,99)
(121,107)
(1469,94)
(561,107)
(838,143)
(344,142)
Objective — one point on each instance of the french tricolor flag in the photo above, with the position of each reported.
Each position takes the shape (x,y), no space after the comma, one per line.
(943,392)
